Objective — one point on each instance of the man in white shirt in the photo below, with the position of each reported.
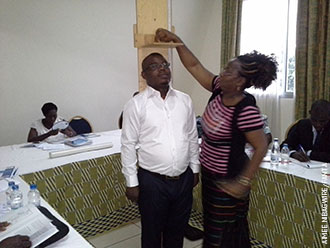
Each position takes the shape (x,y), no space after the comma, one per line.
(159,133)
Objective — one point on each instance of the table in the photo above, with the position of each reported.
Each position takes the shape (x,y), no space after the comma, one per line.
(285,209)
(286,206)
(33,160)
(87,189)
(73,239)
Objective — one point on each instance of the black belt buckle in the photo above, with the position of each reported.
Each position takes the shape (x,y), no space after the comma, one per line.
(172,178)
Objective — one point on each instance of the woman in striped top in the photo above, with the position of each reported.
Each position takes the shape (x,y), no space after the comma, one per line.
(231,119)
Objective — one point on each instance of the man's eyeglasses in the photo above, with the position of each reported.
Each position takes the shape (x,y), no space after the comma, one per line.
(156,66)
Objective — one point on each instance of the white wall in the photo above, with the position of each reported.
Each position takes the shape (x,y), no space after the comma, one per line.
(79,54)
(200,30)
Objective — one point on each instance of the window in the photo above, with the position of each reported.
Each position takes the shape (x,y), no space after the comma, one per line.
(269,26)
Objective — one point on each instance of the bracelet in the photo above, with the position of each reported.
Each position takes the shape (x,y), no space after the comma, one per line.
(245,181)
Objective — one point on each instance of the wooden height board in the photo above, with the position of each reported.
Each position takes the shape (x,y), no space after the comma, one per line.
(150,15)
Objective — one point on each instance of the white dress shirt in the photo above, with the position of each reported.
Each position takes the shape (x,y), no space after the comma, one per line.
(41,129)
(159,133)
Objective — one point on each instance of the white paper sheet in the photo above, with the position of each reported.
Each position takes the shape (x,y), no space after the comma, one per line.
(28,221)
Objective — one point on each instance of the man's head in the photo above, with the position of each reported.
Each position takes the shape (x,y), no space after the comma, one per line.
(156,71)
(320,114)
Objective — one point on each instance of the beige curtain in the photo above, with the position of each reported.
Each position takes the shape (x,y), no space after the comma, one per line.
(230,30)
(312,54)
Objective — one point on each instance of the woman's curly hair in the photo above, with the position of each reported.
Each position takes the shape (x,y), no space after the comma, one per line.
(258,69)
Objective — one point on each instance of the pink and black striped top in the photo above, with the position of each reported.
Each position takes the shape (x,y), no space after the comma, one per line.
(217,126)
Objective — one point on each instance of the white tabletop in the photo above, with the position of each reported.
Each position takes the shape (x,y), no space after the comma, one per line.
(73,239)
(32,159)
(300,171)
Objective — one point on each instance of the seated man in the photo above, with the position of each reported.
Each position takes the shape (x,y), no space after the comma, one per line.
(310,138)
(42,129)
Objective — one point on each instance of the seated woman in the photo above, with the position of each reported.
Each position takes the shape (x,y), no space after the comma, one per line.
(41,130)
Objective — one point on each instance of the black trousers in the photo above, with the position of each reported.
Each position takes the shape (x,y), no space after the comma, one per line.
(165,206)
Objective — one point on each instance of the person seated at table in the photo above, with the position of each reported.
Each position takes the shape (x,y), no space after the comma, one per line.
(17,241)
(41,130)
(310,138)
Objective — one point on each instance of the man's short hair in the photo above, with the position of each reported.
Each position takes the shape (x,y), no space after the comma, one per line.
(147,57)
(321,107)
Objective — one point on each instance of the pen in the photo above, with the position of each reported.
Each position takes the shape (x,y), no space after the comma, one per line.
(302,149)
(15,171)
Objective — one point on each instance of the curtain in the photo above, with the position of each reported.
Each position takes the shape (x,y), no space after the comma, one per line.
(268,101)
(312,55)
(230,30)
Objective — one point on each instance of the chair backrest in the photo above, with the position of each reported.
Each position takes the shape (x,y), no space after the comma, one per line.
(80,125)
(289,127)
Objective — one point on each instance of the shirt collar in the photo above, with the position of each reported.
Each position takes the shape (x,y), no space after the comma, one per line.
(151,92)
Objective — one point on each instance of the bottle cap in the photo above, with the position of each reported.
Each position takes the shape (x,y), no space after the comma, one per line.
(11,183)
(15,186)
(33,186)
(275,139)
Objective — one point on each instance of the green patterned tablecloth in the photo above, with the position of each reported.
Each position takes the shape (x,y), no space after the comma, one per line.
(285,210)
(83,191)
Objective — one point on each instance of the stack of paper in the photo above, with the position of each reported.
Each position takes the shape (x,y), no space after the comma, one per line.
(28,221)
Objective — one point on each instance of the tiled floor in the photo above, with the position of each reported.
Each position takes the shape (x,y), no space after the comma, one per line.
(129,237)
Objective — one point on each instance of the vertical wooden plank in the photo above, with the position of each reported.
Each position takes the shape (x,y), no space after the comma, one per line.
(150,15)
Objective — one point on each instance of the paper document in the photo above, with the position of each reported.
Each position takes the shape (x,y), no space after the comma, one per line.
(312,164)
(8,172)
(48,146)
(28,221)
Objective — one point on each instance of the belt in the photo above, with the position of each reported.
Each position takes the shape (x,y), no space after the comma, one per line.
(162,176)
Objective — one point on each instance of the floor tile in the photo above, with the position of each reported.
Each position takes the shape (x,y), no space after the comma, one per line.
(115,236)
(134,242)
(192,244)
(137,223)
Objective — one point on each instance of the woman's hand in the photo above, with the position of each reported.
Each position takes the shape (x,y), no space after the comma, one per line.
(234,188)
(166,36)
(53,132)
(69,132)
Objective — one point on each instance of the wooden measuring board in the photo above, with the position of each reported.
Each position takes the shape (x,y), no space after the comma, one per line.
(150,15)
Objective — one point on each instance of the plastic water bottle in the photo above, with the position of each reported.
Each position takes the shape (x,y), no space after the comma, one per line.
(8,192)
(285,154)
(34,195)
(275,152)
(16,198)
